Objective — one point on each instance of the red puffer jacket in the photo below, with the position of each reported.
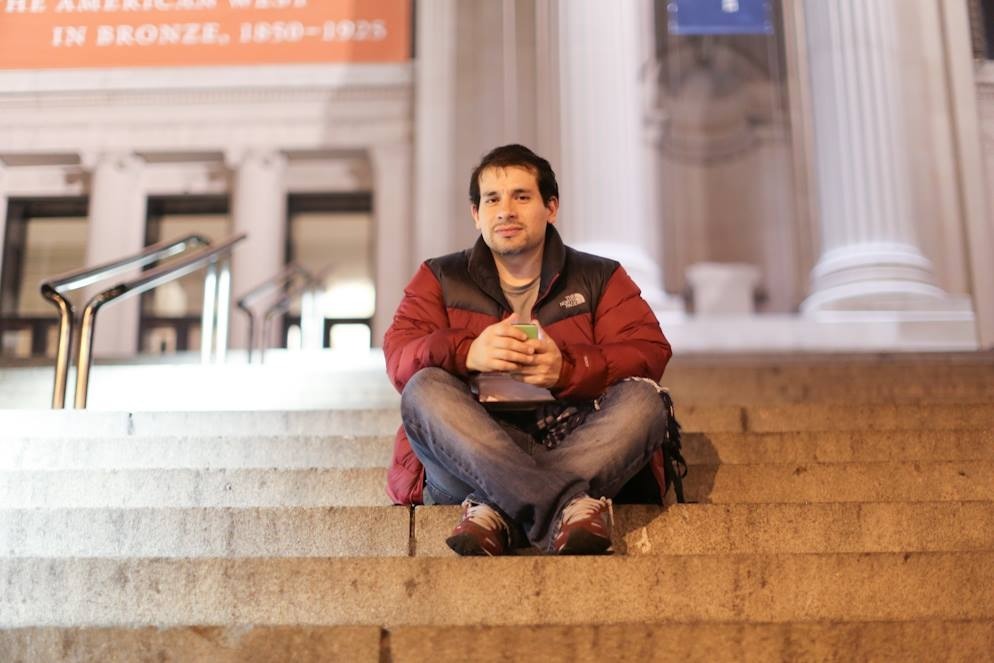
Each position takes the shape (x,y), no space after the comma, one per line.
(587,304)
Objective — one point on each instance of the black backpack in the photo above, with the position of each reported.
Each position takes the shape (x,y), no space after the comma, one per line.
(643,487)
(674,466)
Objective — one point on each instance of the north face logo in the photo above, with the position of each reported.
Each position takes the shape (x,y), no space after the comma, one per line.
(569,301)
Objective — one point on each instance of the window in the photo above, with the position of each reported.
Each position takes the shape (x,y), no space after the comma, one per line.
(44,237)
(331,236)
(982,28)
(171,313)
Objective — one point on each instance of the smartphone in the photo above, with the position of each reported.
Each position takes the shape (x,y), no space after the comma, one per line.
(529,328)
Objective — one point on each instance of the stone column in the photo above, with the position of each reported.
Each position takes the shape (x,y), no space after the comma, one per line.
(116,229)
(258,208)
(440,201)
(870,253)
(604,204)
(392,192)
(3,213)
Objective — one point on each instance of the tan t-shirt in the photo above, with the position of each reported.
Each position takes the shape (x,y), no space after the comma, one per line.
(521,298)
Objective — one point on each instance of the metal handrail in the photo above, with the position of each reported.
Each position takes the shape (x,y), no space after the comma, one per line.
(280,280)
(284,276)
(216,288)
(55,289)
(284,279)
(307,290)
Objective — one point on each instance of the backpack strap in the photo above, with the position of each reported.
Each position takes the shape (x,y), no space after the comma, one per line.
(674,466)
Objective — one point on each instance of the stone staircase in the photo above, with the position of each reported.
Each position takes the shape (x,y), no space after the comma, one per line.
(844,511)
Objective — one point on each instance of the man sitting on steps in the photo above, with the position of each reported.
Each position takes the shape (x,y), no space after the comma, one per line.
(547,474)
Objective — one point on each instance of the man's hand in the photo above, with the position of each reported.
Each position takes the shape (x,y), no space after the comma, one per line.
(546,363)
(500,347)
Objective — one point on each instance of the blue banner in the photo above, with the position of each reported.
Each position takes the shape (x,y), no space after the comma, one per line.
(720,17)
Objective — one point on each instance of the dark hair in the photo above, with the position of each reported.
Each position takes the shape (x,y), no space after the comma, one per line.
(515,155)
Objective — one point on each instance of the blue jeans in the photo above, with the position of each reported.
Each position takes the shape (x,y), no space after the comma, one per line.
(469,452)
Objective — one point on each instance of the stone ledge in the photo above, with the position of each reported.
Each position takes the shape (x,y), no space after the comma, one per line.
(502,591)
(588,643)
(193,644)
(711,529)
(719,484)
(672,641)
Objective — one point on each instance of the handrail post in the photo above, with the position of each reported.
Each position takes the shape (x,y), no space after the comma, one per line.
(223,314)
(86,331)
(306,314)
(251,334)
(268,320)
(149,279)
(208,314)
(64,350)
(314,321)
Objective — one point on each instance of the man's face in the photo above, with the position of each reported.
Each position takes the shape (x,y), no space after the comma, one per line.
(511,215)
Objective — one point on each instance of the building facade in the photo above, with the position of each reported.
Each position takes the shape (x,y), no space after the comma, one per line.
(822,182)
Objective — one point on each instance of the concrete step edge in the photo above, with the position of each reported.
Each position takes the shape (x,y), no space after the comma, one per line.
(782,483)
(635,642)
(704,529)
(312,451)
(501,591)
(692,529)
(802,417)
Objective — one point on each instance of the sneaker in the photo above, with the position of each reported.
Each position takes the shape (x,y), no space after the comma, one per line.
(584,527)
(482,531)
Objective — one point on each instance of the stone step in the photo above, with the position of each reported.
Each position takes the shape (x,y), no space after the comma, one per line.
(194,644)
(315,382)
(733,392)
(838,446)
(703,418)
(502,591)
(341,381)
(206,532)
(296,392)
(841,482)
(961,640)
(691,529)
(342,451)
(193,451)
(144,488)
(96,423)
(834,364)
(859,417)
(703,642)
(831,379)
(724,484)
(704,529)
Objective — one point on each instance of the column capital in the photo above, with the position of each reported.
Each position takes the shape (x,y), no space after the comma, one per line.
(119,159)
(266,157)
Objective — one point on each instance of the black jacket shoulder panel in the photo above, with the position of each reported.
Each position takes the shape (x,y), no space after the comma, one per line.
(579,287)
(469,282)
(458,288)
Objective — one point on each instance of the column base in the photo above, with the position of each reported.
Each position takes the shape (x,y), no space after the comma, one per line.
(644,271)
(826,332)
(881,276)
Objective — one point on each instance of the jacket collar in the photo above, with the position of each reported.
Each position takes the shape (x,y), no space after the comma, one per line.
(483,269)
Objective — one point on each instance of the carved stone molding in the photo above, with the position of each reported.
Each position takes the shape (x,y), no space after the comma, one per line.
(198,120)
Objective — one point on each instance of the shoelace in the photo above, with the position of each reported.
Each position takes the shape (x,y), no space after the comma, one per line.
(486,517)
(586,507)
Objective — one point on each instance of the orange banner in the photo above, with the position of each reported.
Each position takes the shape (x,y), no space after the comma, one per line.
(58,34)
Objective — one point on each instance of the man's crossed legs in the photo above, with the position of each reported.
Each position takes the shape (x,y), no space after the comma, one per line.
(504,477)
